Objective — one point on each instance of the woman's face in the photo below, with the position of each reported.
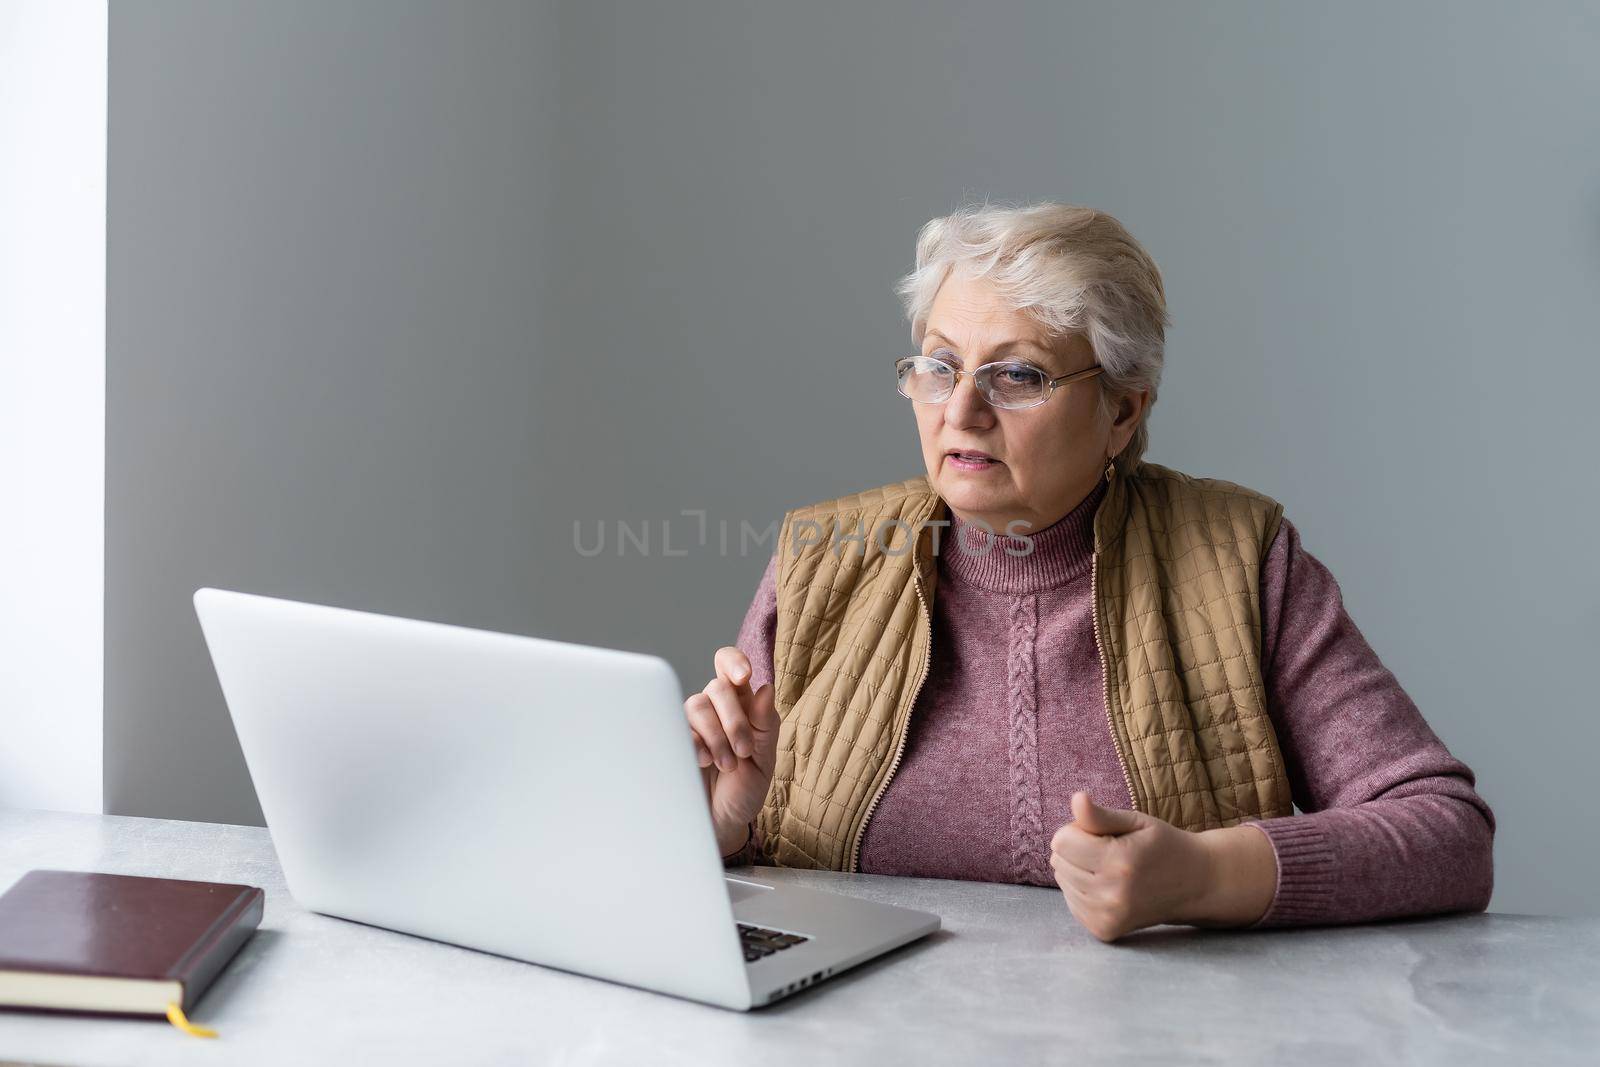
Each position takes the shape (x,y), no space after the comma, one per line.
(1046,458)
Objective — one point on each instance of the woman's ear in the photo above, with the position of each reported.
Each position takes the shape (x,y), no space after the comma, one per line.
(1130,409)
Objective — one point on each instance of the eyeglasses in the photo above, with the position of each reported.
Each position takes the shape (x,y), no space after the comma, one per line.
(1009,384)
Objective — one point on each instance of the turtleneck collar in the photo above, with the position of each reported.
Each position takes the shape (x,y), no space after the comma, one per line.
(1061,551)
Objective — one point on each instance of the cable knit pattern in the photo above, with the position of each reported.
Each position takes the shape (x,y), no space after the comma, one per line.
(1027,826)
(1390,823)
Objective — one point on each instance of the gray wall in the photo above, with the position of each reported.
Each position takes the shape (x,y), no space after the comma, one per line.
(373,271)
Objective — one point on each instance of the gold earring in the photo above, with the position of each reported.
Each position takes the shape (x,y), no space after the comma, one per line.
(1111,468)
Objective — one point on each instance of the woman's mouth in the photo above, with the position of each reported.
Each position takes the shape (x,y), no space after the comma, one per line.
(965,460)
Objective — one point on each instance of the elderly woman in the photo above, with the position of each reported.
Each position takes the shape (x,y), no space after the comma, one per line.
(1050,662)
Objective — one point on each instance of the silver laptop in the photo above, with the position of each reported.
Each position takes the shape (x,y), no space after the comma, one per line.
(527,797)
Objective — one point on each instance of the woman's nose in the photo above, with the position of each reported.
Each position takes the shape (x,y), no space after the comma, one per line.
(966,406)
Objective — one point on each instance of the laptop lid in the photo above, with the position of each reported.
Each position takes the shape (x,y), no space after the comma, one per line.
(523,796)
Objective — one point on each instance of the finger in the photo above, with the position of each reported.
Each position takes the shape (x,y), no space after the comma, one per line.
(730,709)
(1079,905)
(733,665)
(1094,819)
(1080,848)
(1069,875)
(1092,914)
(764,718)
(702,754)
(1092,890)
(707,724)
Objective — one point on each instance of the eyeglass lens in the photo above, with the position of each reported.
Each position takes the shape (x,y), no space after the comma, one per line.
(930,381)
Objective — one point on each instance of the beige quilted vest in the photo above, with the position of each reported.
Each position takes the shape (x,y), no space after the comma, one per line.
(1176,576)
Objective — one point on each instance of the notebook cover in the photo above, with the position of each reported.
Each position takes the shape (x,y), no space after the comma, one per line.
(122,926)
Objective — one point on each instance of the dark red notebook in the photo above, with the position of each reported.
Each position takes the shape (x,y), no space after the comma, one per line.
(118,944)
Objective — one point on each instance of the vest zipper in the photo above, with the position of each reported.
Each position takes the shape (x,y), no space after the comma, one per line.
(1105,675)
(905,728)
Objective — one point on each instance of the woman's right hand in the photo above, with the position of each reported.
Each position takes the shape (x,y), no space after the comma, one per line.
(736,739)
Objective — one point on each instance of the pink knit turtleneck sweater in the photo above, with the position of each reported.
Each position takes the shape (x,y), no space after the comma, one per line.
(1011,721)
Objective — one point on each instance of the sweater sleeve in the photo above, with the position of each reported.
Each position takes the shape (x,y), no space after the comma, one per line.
(1392,825)
(756,636)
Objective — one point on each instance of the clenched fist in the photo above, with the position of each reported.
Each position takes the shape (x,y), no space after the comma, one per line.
(1122,870)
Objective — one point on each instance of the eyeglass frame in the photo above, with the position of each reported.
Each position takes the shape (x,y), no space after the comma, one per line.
(1051,383)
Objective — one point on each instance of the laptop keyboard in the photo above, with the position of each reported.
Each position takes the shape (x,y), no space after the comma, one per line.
(760,942)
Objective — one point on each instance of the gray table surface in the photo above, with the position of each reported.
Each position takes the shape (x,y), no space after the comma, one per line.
(1011,978)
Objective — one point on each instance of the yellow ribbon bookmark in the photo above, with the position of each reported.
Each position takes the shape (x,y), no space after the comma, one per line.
(176,1017)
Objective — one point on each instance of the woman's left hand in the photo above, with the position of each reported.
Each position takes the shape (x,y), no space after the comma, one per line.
(1124,870)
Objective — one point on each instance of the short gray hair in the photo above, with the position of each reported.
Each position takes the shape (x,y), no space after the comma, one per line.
(1073,269)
